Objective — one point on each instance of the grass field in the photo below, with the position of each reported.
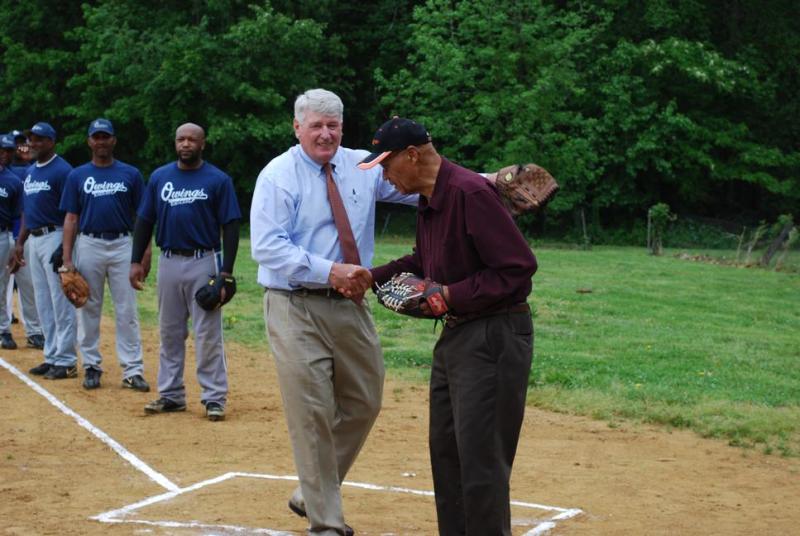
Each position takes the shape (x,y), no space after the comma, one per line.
(624,335)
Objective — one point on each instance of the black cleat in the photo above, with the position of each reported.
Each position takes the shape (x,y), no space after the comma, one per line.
(7,341)
(137,383)
(36,341)
(57,372)
(40,370)
(215,411)
(164,405)
(91,378)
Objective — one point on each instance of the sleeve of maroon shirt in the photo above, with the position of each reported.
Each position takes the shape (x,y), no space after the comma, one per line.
(409,263)
(507,257)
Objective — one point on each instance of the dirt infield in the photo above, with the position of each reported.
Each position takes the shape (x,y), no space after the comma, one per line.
(55,475)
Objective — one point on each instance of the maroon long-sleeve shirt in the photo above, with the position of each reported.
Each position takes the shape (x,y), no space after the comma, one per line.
(467,240)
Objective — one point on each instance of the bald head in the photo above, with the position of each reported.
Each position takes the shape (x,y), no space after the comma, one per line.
(191,128)
(190,140)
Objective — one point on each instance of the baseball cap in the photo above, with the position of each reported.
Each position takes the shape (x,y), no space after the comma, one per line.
(101,125)
(17,134)
(7,141)
(395,134)
(44,130)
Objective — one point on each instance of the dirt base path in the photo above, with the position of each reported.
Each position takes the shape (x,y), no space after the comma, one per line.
(55,475)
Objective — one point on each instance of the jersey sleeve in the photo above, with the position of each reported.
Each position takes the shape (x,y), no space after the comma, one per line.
(227,204)
(147,207)
(137,188)
(70,194)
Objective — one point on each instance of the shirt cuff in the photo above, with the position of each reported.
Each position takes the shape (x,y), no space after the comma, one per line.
(381,274)
(459,295)
(320,270)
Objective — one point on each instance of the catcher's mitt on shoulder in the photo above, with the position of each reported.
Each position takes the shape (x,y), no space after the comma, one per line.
(209,296)
(405,293)
(525,188)
(75,287)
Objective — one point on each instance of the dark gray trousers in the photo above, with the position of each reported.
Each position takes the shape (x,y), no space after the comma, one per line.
(478,386)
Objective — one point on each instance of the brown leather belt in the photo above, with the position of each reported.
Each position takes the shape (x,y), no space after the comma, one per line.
(452,321)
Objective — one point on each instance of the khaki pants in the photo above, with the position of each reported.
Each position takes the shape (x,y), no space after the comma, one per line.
(330,370)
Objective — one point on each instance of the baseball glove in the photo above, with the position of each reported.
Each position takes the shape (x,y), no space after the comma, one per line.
(209,296)
(405,293)
(75,287)
(525,188)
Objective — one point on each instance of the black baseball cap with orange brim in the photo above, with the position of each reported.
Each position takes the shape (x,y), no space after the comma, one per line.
(394,135)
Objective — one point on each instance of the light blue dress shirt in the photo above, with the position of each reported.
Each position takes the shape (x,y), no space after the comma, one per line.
(293,237)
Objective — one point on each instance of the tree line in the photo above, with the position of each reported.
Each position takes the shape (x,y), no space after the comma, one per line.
(627,102)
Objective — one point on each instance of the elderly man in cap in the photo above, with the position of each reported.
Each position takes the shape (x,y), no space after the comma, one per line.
(100,200)
(480,266)
(42,221)
(10,204)
(10,158)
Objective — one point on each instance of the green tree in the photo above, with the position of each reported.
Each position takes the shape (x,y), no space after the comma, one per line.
(150,67)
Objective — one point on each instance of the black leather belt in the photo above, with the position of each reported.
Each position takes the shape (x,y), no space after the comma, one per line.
(187,252)
(107,236)
(452,321)
(40,231)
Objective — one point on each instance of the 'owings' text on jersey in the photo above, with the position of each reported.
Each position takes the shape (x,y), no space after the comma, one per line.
(189,205)
(105,197)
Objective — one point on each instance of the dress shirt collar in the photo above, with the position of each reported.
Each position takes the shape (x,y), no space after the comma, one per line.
(439,189)
(310,162)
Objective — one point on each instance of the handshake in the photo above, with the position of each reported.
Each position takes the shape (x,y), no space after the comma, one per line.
(404,293)
(350,280)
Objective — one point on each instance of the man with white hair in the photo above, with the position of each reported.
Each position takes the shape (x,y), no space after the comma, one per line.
(312,219)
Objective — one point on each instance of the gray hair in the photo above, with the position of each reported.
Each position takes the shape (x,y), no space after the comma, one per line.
(321,101)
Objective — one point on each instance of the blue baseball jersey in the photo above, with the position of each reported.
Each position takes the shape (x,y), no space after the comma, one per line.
(189,206)
(43,187)
(105,197)
(10,197)
(21,171)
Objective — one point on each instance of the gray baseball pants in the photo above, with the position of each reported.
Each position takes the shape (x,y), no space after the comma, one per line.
(179,278)
(27,302)
(56,313)
(5,251)
(97,260)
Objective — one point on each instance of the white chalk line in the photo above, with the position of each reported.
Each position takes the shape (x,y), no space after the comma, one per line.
(128,456)
(117,516)
(173,490)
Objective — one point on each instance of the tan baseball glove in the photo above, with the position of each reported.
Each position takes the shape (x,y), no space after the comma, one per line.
(525,188)
(75,287)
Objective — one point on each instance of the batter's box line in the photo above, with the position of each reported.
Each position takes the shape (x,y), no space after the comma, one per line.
(119,515)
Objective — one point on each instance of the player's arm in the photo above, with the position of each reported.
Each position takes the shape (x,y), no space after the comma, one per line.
(147,256)
(17,259)
(230,246)
(68,244)
(142,232)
